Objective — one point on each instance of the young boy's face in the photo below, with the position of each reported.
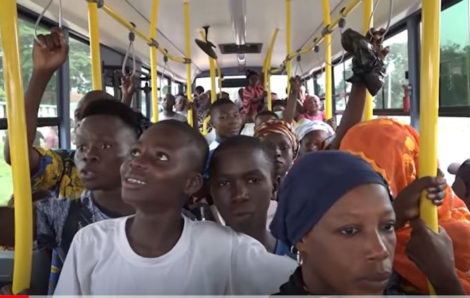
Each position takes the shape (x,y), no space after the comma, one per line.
(226,120)
(242,186)
(160,171)
(103,142)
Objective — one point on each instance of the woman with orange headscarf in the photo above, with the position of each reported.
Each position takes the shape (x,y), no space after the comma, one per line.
(394,147)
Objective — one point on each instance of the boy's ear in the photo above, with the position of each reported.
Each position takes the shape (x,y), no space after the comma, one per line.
(193,184)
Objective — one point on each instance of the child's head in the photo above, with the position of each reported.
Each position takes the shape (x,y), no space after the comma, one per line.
(336,209)
(86,100)
(242,181)
(180,103)
(199,90)
(263,117)
(461,184)
(168,102)
(312,104)
(107,132)
(313,135)
(279,136)
(164,167)
(225,118)
(253,78)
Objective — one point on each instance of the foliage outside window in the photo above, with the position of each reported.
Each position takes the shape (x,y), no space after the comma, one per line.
(455,56)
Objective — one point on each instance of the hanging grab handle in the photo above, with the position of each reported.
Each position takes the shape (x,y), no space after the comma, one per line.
(130,49)
(162,77)
(46,8)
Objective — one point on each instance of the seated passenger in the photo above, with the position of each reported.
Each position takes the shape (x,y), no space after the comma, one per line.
(242,185)
(264,116)
(312,109)
(394,147)
(104,138)
(313,135)
(51,170)
(168,112)
(461,185)
(181,105)
(337,211)
(226,120)
(279,136)
(158,251)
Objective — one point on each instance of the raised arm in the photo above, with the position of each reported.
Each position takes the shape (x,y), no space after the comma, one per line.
(48,56)
(291,108)
(355,107)
(127,88)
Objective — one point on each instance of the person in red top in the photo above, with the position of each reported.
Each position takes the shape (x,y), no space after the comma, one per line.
(253,96)
(311,109)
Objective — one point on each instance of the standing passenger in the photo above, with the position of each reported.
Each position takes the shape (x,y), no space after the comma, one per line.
(253,97)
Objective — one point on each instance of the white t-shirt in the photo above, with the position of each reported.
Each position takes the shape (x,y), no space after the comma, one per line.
(176,116)
(208,259)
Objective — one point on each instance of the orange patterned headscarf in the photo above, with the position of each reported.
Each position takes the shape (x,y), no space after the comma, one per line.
(394,147)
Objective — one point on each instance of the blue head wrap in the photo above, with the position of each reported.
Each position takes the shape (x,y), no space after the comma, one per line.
(312,186)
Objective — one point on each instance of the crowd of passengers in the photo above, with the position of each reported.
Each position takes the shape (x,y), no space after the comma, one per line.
(290,206)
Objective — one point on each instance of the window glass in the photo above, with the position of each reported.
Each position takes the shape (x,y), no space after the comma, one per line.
(455,56)
(396,63)
(80,75)
(320,85)
(342,72)
(48,107)
(6,186)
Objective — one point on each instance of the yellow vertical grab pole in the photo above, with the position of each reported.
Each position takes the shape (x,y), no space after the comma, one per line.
(94,30)
(212,72)
(187,32)
(288,43)
(267,67)
(213,84)
(429,103)
(328,68)
(153,61)
(18,147)
(367,23)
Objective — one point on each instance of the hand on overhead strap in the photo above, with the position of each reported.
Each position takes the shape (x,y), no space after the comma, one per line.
(368,65)
(50,51)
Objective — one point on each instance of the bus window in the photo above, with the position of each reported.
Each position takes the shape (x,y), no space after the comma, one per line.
(342,72)
(6,186)
(391,95)
(455,59)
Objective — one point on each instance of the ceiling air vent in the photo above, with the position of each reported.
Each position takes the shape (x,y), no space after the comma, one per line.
(249,48)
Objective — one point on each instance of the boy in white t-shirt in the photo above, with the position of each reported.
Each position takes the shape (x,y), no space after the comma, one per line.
(158,251)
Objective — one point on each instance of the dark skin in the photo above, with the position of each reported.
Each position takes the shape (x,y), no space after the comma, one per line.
(103,142)
(127,88)
(311,106)
(226,120)
(242,185)
(283,150)
(157,178)
(168,104)
(357,240)
(260,119)
(313,141)
(48,56)
(433,254)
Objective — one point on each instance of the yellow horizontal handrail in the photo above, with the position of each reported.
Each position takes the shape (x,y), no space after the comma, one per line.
(345,11)
(150,41)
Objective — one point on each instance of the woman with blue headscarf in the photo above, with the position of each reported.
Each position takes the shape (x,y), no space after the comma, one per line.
(336,210)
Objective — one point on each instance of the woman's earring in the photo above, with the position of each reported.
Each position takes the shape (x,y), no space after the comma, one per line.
(299,259)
